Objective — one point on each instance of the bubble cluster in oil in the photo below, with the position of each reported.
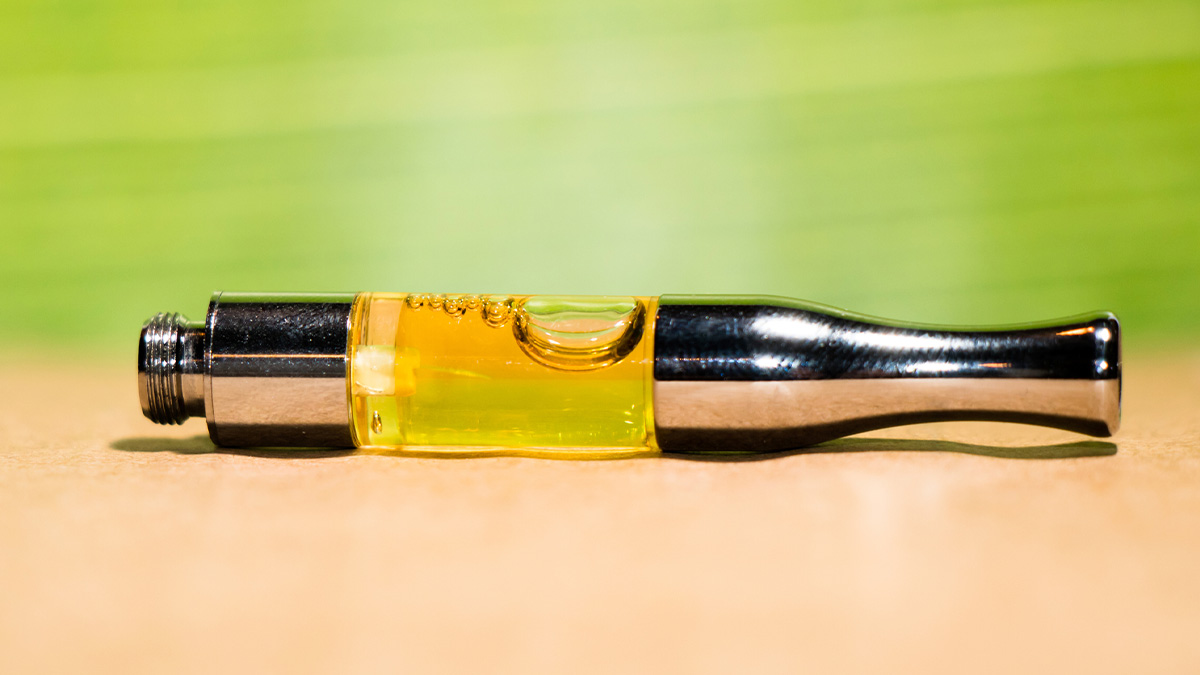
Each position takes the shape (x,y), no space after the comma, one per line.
(496,311)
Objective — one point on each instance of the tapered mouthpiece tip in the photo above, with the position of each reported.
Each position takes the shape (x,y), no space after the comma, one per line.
(160,357)
(1107,335)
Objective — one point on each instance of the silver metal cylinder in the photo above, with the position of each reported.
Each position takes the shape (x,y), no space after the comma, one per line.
(763,374)
(264,370)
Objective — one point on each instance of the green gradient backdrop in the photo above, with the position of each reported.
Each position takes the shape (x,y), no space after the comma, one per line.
(948,161)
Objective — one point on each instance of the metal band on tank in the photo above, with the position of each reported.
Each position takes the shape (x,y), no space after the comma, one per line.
(275,370)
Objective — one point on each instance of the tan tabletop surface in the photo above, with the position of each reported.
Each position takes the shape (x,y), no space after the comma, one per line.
(126,547)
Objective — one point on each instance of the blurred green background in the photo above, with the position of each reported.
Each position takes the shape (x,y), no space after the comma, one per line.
(932,160)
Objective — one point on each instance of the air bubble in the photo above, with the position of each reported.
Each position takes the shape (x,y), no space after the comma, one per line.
(453,306)
(579,333)
(497,311)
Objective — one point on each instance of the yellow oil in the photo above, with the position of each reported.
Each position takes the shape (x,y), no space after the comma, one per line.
(472,375)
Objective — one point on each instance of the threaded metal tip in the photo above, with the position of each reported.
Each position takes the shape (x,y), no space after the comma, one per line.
(160,368)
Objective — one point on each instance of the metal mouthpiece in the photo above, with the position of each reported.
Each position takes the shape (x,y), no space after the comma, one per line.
(763,374)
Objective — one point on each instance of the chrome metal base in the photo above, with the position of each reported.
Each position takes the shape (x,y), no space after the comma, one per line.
(264,370)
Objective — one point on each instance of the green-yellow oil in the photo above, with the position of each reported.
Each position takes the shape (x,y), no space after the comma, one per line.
(514,375)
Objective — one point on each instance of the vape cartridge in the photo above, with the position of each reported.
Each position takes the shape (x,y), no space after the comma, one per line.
(591,376)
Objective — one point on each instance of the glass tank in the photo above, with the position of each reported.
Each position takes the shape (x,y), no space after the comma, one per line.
(487,374)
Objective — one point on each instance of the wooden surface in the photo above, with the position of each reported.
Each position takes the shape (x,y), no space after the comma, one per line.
(126,547)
